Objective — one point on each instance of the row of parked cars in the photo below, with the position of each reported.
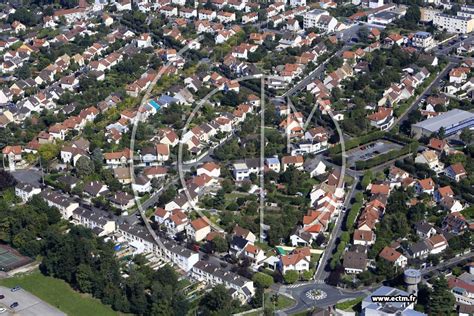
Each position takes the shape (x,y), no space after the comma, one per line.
(12,305)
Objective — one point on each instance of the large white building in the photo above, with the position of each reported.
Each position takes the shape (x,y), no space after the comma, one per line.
(374,4)
(297,3)
(372,307)
(422,40)
(319,19)
(454,23)
(453,121)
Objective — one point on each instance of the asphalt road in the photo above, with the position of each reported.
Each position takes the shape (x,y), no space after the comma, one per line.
(415,104)
(345,36)
(448,263)
(321,273)
(303,302)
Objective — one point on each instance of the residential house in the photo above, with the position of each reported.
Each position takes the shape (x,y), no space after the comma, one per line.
(198,229)
(122,200)
(295,161)
(456,172)
(394,257)
(244,233)
(241,288)
(95,189)
(425,186)
(26,191)
(424,229)
(430,157)
(354,262)
(301,238)
(63,203)
(176,222)
(298,260)
(454,223)
(255,254)
(363,237)
(123,175)
(209,168)
(100,222)
(437,243)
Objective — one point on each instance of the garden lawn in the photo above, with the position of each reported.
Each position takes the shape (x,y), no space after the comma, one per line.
(283,301)
(59,294)
(350,304)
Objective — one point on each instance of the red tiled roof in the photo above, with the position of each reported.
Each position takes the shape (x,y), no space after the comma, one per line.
(389,254)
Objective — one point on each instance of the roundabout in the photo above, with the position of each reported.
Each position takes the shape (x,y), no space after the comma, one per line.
(316,295)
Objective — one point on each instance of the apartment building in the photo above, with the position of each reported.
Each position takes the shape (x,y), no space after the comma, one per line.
(454,23)
(422,40)
(241,288)
(182,257)
(315,18)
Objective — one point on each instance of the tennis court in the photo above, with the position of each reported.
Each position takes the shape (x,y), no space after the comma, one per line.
(11,259)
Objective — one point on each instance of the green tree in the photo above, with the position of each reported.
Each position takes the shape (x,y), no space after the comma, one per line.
(167,196)
(366,179)
(413,14)
(262,280)
(441,299)
(441,133)
(84,277)
(24,72)
(220,244)
(6,180)
(47,153)
(466,136)
(291,277)
(307,275)
(217,302)
(84,166)
(345,237)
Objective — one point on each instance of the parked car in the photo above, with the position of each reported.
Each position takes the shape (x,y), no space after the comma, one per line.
(14,304)
(2,296)
(3,310)
(16,288)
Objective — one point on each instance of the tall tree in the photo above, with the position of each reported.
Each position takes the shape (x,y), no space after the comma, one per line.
(441,299)
(6,180)
(84,167)
(466,136)
(217,302)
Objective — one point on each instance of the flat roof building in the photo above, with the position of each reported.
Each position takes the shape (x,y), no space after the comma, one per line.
(382,18)
(374,304)
(452,121)
(454,23)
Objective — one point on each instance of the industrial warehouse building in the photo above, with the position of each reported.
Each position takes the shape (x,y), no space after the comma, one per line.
(453,122)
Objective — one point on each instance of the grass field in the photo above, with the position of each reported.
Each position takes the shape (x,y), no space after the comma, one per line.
(59,294)
(350,305)
(283,301)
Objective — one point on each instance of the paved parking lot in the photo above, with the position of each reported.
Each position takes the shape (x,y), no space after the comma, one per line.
(370,150)
(28,304)
(30,176)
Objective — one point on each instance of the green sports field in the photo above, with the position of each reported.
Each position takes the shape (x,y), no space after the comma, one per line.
(59,294)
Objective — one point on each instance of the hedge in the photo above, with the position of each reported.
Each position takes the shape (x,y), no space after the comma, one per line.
(352,215)
(380,159)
